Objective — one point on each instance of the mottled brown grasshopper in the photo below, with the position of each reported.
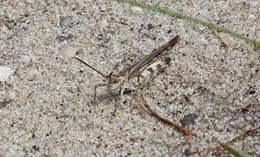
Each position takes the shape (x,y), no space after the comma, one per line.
(140,73)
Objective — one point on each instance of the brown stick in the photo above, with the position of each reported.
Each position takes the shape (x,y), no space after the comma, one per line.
(143,103)
(3,104)
(219,37)
(230,141)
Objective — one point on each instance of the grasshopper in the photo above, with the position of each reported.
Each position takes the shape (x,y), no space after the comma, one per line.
(140,73)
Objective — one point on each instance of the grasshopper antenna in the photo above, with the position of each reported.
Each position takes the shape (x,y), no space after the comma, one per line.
(91,67)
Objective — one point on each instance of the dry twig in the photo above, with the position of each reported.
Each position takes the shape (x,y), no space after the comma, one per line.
(3,104)
(219,37)
(144,104)
(230,141)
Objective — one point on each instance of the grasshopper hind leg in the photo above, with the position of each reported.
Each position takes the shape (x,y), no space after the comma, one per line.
(95,89)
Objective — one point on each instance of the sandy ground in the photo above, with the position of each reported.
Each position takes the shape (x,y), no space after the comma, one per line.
(46,103)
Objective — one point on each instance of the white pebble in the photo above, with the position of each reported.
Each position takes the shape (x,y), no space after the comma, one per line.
(26,59)
(251,16)
(65,21)
(249,118)
(136,10)
(5,72)
(69,52)
(12,94)
(203,40)
(103,23)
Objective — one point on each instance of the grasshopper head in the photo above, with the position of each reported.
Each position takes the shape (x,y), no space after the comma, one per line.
(113,78)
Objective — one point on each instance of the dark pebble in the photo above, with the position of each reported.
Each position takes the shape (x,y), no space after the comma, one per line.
(61,38)
(188,119)
(35,148)
(150,26)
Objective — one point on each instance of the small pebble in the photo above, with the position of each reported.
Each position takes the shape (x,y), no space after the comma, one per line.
(103,23)
(219,127)
(257,114)
(136,10)
(61,38)
(65,21)
(12,95)
(150,26)
(69,52)
(35,148)
(251,16)
(188,119)
(26,59)
(70,36)
(5,72)
(244,110)
(249,118)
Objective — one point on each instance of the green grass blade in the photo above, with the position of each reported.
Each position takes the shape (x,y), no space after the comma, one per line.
(195,20)
(236,153)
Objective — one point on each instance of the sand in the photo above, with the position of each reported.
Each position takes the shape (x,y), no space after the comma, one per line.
(47,104)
